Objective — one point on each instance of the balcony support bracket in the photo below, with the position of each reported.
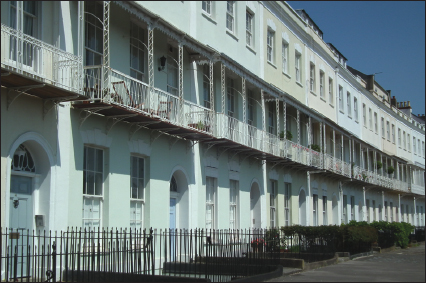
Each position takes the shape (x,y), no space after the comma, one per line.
(89,111)
(115,119)
(191,145)
(245,157)
(54,102)
(153,137)
(226,148)
(236,152)
(211,144)
(14,92)
(138,126)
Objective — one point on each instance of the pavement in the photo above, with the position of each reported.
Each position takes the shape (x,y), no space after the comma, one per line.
(399,265)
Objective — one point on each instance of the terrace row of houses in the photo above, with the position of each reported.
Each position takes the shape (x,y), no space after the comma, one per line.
(224,115)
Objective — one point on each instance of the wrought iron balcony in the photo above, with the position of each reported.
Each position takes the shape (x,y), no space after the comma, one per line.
(30,63)
(134,96)
(125,92)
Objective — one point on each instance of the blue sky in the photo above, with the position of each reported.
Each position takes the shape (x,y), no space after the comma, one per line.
(387,37)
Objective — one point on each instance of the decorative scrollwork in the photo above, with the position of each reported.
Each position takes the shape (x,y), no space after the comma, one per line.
(22,160)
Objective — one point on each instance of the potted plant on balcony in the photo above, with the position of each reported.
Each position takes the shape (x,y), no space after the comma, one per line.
(364,177)
(200,126)
(289,135)
(315,147)
(390,170)
(379,165)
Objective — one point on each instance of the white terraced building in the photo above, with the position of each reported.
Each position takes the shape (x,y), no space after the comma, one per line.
(201,114)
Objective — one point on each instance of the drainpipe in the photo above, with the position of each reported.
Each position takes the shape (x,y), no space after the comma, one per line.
(308,197)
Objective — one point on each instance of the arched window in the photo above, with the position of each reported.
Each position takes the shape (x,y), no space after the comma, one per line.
(22,160)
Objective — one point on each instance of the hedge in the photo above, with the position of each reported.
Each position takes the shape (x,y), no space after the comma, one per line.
(346,236)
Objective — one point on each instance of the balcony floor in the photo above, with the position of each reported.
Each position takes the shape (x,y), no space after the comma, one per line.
(148,121)
(49,91)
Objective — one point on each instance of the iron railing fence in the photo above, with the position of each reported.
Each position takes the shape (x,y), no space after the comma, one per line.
(219,255)
(418,234)
(83,255)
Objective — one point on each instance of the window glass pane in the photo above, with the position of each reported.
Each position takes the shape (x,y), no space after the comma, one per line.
(90,159)
(90,178)
(140,188)
(100,160)
(134,188)
(98,184)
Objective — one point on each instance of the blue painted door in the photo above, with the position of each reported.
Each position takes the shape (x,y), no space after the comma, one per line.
(21,217)
(172,229)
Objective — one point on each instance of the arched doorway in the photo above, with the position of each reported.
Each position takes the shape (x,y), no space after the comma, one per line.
(302,208)
(335,208)
(255,206)
(179,201)
(21,203)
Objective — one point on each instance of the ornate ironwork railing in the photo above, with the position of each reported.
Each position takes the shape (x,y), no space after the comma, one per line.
(34,58)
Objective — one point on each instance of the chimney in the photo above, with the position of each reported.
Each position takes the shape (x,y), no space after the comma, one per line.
(393,101)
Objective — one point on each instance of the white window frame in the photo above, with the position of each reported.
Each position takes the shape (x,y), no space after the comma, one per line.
(341,105)
(388,130)
(419,145)
(349,101)
(376,125)
(230,96)
(370,114)
(364,114)
(98,28)
(399,138)
(408,143)
(211,185)
(287,200)
(386,211)
(233,204)
(312,78)
(404,140)
(352,208)
(374,209)
(383,127)
(324,211)
(137,44)
(322,76)
(297,66)
(367,204)
(230,16)
(97,173)
(356,109)
(206,85)
(393,133)
(330,91)
(285,47)
(172,70)
(315,210)
(206,6)
(270,34)
(271,119)
(138,199)
(249,28)
(273,204)
(345,209)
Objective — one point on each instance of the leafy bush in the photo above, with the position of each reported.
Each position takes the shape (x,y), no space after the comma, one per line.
(272,240)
